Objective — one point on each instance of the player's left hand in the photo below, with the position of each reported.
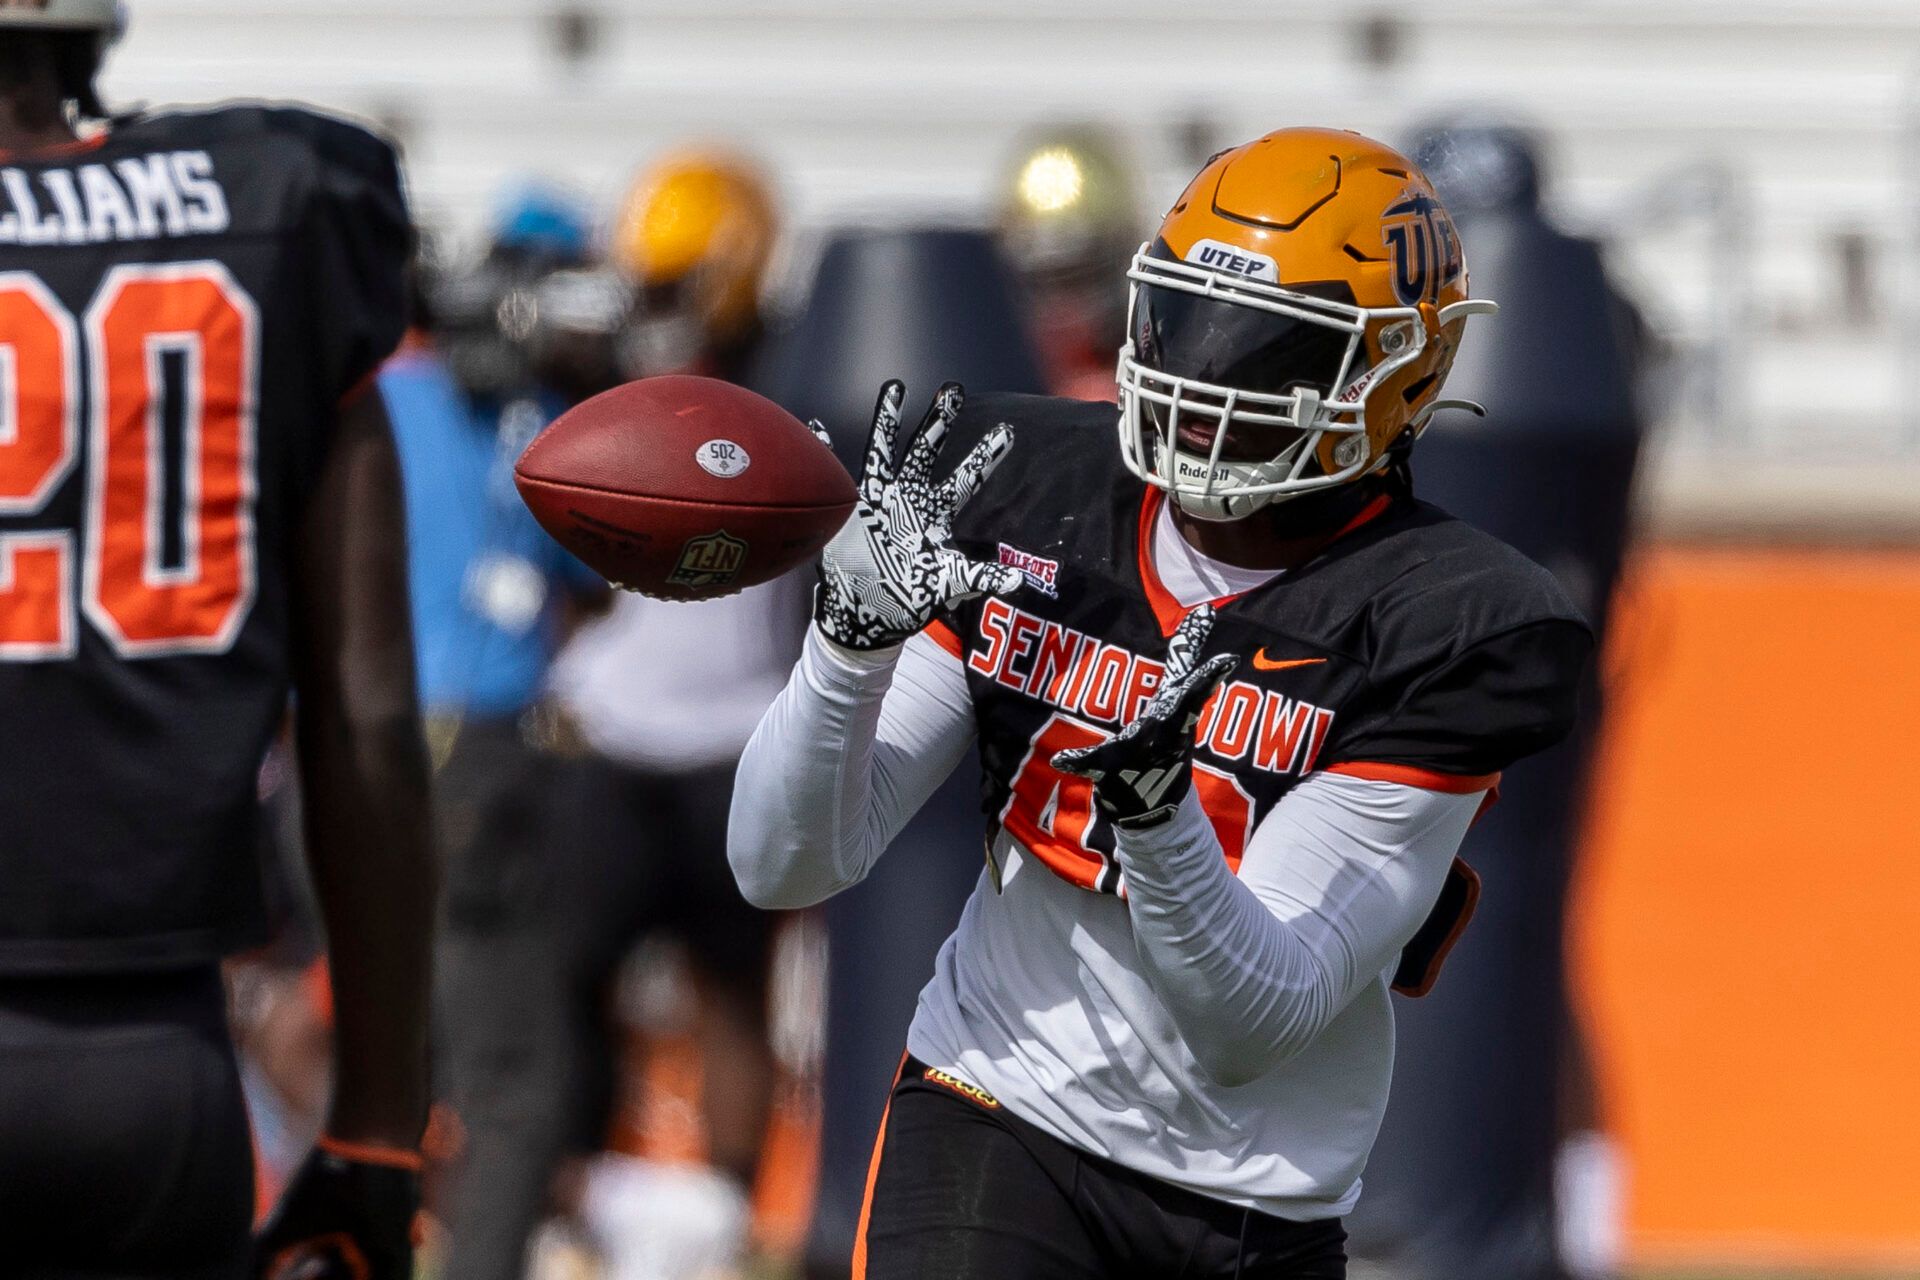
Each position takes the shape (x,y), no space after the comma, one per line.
(1141,774)
(341,1218)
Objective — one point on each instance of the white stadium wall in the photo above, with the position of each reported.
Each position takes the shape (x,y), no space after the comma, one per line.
(1798,117)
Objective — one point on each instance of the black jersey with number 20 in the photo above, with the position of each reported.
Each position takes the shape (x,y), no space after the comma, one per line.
(184,303)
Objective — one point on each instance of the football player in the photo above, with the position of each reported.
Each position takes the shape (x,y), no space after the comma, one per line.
(695,234)
(199,514)
(1238,695)
(1069,222)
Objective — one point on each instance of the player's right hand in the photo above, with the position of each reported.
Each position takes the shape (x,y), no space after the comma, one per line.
(890,567)
(345,1216)
(1141,773)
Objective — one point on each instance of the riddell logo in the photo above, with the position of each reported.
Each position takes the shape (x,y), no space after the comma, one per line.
(1216,255)
(1042,575)
(1186,467)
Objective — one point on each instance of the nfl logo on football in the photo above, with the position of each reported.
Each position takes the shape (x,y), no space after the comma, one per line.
(709,561)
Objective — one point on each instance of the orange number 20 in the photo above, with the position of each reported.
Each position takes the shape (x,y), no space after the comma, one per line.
(195,319)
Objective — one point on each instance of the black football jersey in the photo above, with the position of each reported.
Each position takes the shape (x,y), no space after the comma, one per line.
(1414,648)
(184,303)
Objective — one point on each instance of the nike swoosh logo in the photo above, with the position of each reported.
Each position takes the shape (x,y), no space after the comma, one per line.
(1261,662)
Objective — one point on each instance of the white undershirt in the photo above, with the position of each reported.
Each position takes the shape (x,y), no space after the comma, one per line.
(1192,578)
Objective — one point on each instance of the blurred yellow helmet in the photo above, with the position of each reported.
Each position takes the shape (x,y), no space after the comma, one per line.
(695,233)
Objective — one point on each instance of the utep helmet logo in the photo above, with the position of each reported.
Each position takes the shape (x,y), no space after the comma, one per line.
(1218,255)
(1423,247)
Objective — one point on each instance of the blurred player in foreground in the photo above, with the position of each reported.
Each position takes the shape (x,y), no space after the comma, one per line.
(1160,1040)
(201,513)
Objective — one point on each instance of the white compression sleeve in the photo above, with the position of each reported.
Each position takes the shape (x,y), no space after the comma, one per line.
(851,748)
(1335,882)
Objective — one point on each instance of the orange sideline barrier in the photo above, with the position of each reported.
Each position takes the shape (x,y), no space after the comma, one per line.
(1747,926)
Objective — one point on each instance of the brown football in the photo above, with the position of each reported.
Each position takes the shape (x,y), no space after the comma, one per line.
(684,488)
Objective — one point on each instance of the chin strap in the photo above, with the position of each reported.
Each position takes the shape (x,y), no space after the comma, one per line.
(1421,419)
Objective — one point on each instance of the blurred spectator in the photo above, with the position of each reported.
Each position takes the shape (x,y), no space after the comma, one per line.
(537,312)
(1069,222)
(492,594)
(664,696)
(493,597)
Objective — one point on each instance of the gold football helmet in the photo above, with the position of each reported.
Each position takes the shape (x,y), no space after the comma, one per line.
(695,234)
(1293,319)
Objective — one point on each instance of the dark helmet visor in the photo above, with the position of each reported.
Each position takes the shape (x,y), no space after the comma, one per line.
(1230,344)
(1235,345)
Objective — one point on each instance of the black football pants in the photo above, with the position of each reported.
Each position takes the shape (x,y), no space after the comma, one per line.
(124,1149)
(962,1190)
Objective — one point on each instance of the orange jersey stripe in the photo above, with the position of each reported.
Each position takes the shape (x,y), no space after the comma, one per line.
(944,636)
(367,1153)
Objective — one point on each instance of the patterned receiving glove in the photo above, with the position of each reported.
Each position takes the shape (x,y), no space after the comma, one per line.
(1141,774)
(889,568)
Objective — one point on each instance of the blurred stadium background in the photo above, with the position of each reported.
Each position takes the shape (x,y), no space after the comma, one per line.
(1749,889)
